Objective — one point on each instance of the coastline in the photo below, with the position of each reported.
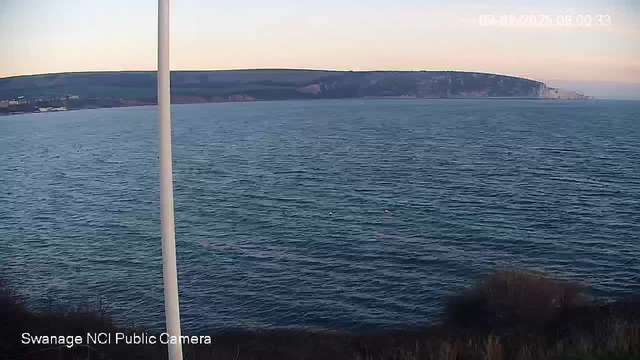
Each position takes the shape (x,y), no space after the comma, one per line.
(486,98)
(67,91)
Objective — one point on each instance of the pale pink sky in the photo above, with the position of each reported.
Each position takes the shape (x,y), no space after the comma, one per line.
(74,35)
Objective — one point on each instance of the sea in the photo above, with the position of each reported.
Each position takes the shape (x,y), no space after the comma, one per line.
(326,214)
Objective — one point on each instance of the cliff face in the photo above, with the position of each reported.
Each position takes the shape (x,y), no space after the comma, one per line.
(563,94)
(240,85)
(425,84)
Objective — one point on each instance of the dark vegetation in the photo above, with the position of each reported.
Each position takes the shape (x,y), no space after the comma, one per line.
(266,84)
(508,315)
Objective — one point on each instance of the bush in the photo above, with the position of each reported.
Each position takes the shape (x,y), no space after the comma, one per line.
(514,299)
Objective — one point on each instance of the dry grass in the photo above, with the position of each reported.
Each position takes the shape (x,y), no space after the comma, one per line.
(495,350)
(507,315)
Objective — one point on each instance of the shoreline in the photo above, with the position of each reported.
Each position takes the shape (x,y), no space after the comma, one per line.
(486,98)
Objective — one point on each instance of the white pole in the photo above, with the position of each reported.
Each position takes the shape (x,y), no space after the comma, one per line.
(170,273)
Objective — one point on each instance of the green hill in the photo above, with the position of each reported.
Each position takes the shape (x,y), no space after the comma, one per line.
(267,84)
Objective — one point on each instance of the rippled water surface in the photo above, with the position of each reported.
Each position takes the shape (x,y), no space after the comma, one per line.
(280,206)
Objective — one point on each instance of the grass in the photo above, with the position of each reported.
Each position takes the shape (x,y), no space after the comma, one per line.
(506,315)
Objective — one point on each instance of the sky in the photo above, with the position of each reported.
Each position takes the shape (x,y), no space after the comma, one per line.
(39,36)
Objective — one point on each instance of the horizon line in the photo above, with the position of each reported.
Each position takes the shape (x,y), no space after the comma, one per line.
(267,69)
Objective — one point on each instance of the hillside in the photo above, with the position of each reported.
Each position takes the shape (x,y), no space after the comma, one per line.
(108,89)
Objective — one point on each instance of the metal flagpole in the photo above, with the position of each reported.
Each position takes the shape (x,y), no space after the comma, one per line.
(170,274)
